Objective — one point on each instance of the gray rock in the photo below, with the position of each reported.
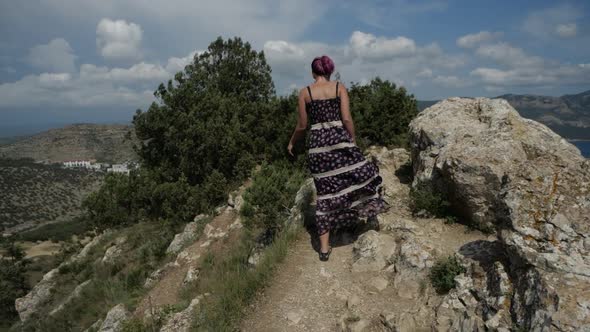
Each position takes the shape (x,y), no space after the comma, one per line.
(191,275)
(373,251)
(156,275)
(256,254)
(41,293)
(74,295)
(359,326)
(378,283)
(111,254)
(28,305)
(235,199)
(90,245)
(514,175)
(95,326)
(213,233)
(181,321)
(353,301)
(414,254)
(114,319)
(294,316)
(188,235)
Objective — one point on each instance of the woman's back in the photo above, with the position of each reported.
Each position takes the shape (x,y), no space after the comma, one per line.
(323,102)
(323,90)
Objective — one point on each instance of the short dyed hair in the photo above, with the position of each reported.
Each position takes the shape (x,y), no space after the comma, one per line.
(322,65)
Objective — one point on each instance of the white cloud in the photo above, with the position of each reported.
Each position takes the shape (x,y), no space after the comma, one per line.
(175,64)
(92,86)
(56,56)
(368,46)
(291,61)
(425,73)
(185,22)
(505,54)
(475,39)
(364,55)
(139,72)
(566,30)
(118,39)
(450,81)
(545,23)
(64,90)
(53,80)
(521,69)
(552,74)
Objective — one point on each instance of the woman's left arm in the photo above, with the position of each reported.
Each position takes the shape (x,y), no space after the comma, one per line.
(301,122)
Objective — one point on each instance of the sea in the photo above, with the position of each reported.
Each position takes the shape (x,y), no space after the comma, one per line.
(584,147)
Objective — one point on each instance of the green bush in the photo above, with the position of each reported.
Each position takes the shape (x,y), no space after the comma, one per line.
(424,197)
(58,231)
(443,273)
(12,280)
(382,112)
(268,200)
(209,118)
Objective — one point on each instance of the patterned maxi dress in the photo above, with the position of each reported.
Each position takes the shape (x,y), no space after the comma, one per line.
(348,185)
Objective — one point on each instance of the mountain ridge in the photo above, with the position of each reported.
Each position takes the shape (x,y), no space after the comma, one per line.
(110,143)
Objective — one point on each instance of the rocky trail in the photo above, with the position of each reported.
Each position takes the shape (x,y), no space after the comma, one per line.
(373,281)
(514,177)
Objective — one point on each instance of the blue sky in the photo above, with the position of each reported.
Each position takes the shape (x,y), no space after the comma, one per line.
(66,61)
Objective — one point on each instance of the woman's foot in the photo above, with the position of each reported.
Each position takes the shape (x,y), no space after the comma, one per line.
(325,255)
(373,223)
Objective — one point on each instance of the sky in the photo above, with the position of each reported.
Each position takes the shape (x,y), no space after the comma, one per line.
(66,61)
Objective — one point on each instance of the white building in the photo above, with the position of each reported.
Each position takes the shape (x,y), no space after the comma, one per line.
(119,168)
(77,163)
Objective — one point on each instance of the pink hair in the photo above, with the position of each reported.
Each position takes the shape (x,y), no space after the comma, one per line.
(322,65)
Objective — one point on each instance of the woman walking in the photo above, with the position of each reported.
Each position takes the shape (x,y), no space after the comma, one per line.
(348,186)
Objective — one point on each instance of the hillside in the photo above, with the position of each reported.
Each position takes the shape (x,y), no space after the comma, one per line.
(568,115)
(105,143)
(32,194)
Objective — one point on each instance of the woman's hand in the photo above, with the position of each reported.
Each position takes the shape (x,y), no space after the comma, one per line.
(290,149)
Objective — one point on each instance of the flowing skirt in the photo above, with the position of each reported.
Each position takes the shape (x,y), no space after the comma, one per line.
(348,185)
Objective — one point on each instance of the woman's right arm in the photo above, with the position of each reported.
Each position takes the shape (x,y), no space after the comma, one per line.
(345,111)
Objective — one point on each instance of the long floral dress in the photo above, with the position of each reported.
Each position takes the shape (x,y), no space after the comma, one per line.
(348,185)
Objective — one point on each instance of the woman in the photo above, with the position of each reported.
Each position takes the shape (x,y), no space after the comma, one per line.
(348,186)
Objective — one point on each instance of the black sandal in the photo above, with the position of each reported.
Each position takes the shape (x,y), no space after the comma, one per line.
(325,255)
(373,223)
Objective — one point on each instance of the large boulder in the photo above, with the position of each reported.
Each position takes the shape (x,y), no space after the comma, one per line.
(515,176)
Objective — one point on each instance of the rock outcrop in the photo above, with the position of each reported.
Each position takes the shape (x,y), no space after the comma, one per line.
(516,177)
(181,321)
(188,235)
(28,305)
(115,318)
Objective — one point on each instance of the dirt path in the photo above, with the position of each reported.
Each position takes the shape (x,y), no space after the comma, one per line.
(307,294)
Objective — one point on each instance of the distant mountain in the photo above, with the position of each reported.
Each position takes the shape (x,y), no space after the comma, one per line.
(568,115)
(104,143)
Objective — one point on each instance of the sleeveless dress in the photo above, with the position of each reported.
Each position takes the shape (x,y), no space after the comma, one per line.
(348,186)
